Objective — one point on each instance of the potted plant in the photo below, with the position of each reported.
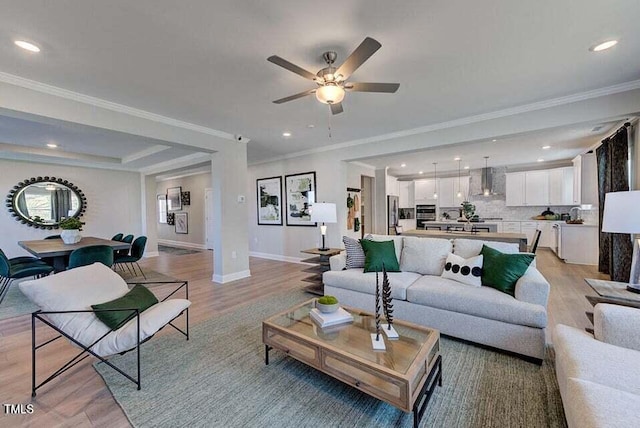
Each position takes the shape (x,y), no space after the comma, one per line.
(71,228)
(327,304)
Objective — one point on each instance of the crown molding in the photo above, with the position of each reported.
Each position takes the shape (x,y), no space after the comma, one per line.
(108,105)
(540,105)
(181,162)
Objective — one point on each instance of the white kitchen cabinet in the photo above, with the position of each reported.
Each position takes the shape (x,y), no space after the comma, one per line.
(529,228)
(536,187)
(515,189)
(424,191)
(561,186)
(392,186)
(585,179)
(446,193)
(406,194)
(546,237)
(579,244)
(511,227)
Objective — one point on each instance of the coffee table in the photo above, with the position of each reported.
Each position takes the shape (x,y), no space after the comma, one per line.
(404,375)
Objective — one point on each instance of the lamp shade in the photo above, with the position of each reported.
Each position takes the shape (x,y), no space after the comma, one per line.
(621,212)
(330,94)
(323,213)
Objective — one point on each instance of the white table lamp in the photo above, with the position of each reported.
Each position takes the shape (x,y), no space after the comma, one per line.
(323,213)
(622,215)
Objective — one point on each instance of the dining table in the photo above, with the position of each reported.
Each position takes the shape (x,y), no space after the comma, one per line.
(514,238)
(58,251)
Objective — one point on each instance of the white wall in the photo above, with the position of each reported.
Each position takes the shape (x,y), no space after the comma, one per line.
(196,184)
(333,176)
(113,202)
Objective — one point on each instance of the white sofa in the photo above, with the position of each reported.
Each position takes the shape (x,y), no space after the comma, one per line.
(482,315)
(598,374)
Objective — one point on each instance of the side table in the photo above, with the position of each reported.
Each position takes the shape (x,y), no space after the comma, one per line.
(610,292)
(321,260)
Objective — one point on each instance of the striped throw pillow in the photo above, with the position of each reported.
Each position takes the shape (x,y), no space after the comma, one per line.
(355,253)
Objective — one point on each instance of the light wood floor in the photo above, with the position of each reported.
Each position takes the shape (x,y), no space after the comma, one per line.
(80,397)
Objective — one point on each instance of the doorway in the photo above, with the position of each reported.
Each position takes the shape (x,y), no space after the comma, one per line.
(366,205)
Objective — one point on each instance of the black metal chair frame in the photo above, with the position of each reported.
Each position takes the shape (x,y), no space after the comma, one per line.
(87,349)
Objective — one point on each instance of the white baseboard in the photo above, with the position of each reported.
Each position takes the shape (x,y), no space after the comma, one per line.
(221,279)
(279,257)
(151,254)
(181,244)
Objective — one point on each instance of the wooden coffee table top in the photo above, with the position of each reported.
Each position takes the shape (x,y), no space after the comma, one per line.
(354,339)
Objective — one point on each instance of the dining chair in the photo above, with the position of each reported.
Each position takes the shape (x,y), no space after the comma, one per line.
(121,253)
(536,239)
(52,237)
(18,268)
(89,255)
(117,237)
(137,250)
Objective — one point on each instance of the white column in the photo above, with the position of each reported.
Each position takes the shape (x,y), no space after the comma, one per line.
(380,208)
(149,215)
(230,216)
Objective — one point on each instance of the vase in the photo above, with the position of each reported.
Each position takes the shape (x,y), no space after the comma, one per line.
(71,236)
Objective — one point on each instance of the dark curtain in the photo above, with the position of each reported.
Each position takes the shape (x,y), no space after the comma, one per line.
(613,176)
(60,204)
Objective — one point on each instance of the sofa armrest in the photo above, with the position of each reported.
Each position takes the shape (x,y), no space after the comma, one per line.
(338,262)
(617,325)
(532,287)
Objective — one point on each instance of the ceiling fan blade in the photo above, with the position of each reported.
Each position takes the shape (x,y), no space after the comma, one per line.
(362,53)
(291,67)
(372,87)
(295,97)
(336,108)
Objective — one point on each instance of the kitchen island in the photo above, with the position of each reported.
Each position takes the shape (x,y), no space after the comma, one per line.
(515,238)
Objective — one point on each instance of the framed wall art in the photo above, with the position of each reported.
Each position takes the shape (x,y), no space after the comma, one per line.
(300,192)
(162,209)
(269,193)
(182,223)
(174,198)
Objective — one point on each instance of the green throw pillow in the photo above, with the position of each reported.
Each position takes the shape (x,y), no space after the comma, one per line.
(138,297)
(501,271)
(378,253)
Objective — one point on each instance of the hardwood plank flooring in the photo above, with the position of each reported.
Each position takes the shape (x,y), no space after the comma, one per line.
(80,398)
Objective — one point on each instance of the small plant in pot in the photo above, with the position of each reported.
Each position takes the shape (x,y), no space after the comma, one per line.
(71,228)
(327,304)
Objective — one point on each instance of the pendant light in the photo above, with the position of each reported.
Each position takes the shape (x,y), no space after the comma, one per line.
(459,181)
(435,181)
(486,176)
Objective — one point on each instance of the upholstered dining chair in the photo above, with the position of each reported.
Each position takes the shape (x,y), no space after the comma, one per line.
(536,240)
(52,237)
(117,237)
(18,268)
(121,253)
(137,251)
(88,255)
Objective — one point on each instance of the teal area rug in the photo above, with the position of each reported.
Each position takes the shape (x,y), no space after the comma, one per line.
(218,378)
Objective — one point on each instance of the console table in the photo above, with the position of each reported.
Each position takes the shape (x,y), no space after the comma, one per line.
(321,260)
(611,292)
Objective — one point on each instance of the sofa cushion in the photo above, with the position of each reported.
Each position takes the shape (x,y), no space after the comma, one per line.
(355,253)
(472,247)
(580,355)
(483,302)
(356,280)
(379,255)
(591,405)
(397,242)
(424,255)
(465,271)
(501,271)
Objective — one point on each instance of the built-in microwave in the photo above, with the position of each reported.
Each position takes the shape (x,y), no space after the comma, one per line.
(424,213)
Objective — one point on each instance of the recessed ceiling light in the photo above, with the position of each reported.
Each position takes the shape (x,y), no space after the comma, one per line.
(494,140)
(311,125)
(420,172)
(52,145)
(403,165)
(546,147)
(466,167)
(286,134)
(457,158)
(603,46)
(27,46)
(540,160)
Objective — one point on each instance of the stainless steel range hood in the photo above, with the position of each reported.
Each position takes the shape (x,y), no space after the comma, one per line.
(487,180)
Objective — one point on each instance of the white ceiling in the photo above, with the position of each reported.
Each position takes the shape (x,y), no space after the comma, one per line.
(205,62)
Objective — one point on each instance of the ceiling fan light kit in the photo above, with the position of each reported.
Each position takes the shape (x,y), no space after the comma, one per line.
(331,81)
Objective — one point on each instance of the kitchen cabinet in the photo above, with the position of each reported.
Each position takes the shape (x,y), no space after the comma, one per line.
(407,194)
(585,179)
(561,186)
(448,189)
(529,228)
(536,187)
(392,186)
(515,189)
(424,191)
(511,227)
(578,243)
(546,237)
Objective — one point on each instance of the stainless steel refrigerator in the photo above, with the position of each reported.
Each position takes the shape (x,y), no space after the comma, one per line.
(393,204)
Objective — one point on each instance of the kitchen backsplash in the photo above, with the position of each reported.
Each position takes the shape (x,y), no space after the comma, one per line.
(495,206)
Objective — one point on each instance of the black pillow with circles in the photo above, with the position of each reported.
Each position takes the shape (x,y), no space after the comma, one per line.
(466,271)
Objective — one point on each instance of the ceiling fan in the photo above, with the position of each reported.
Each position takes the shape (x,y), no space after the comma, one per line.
(332,82)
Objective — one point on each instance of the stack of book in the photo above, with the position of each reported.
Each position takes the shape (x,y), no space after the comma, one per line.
(330,319)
